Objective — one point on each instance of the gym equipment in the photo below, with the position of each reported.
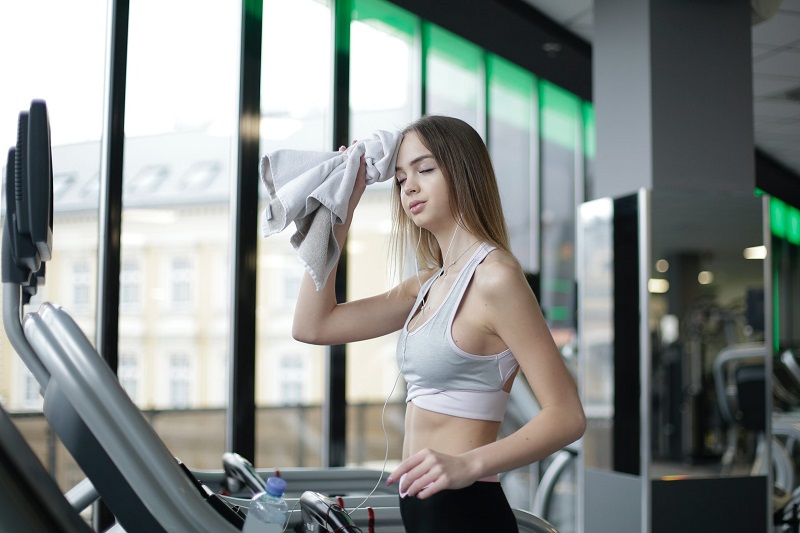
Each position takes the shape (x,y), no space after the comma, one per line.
(31,501)
(128,465)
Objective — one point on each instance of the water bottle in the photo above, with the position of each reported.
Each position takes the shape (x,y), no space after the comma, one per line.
(268,512)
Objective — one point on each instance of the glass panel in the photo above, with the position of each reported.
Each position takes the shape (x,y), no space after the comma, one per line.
(45,68)
(511,142)
(378,27)
(76,124)
(454,80)
(296,75)
(559,129)
(296,114)
(610,345)
(181,125)
(596,286)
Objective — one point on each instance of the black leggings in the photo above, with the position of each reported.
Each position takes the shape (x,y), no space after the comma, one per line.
(480,508)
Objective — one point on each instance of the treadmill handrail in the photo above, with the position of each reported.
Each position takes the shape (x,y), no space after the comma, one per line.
(744,353)
(13,327)
(131,443)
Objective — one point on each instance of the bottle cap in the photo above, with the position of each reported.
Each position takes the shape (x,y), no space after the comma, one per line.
(276,486)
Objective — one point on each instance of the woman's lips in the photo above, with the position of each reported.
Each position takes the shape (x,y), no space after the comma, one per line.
(416,206)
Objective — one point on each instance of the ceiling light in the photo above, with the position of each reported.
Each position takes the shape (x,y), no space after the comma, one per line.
(755,252)
(706,277)
(657,286)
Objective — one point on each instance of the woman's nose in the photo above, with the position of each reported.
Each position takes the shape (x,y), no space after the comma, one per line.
(409,186)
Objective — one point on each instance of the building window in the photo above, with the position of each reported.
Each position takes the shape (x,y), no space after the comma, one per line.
(30,391)
(128,374)
(130,281)
(181,282)
(292,373)
(147,180)
(179,376)
(200,175)
(80,286)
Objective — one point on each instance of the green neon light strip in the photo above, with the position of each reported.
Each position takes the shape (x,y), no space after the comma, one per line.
(385,15)
(784,220)
(453,48)
(559,114)
(558,312)
(793,226)
(558,285)
(777,217)
(509,76)
(510,89)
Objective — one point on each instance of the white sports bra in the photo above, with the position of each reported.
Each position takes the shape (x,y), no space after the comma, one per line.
(442,377)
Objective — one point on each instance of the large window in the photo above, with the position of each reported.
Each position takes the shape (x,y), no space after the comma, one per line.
(512,138)
(378,30)
(559,130)
(66,70)
(453,77)
(181,122)
(295,113)
(41,68)
(179,161)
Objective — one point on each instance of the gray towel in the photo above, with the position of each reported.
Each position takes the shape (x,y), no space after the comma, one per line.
(312,189)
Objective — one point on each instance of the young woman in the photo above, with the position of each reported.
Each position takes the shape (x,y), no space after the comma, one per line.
(469,322)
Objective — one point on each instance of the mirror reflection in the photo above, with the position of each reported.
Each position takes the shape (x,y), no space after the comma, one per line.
(784,267)
(706,324)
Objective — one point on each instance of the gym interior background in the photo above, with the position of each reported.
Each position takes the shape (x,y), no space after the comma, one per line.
(173,104)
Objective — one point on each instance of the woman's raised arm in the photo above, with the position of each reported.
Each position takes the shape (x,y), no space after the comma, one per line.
(320,319)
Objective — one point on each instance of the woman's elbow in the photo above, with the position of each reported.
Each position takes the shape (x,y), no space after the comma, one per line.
(577,424)
(580,424)
(302,332)
(571,424)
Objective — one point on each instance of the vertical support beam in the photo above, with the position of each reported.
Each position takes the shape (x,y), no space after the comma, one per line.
(659,68)
(109,224)
(660,120)
(424,48)
(535,168)
(244,246)
(334,409)
(483,97)
(111,162)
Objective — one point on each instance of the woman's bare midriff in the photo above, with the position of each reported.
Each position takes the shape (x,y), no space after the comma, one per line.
(444,433)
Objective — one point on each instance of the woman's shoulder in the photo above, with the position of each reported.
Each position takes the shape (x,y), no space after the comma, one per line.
(410,286)
(498,273)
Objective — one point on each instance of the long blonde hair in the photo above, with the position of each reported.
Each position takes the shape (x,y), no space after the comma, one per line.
(474,197)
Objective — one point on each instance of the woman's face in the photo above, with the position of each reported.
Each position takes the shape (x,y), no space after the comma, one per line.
(424,193)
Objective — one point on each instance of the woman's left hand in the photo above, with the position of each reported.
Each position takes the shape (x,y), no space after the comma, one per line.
(428,472)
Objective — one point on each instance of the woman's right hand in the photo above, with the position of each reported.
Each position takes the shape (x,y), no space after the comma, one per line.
(360,184)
